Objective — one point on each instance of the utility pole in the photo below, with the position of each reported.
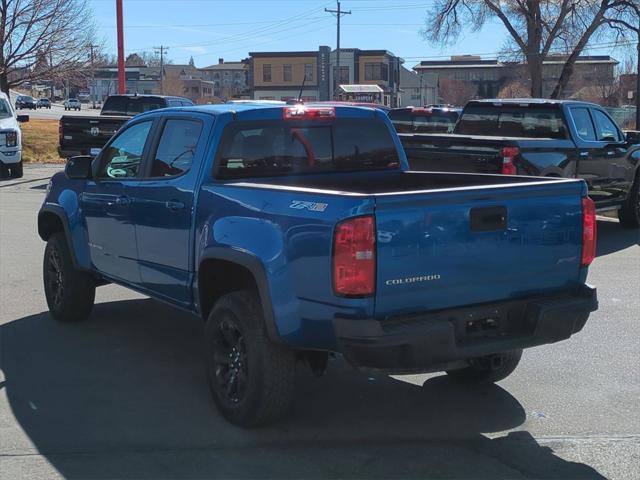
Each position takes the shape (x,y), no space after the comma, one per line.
(161,49)
(338,14)
(122,88)
(93,76)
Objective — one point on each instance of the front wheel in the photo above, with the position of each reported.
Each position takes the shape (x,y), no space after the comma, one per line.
(251,378)
(629,214)
(489,369)
(70,292)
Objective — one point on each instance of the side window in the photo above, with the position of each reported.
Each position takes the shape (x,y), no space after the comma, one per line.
(176,148)
(605,128)
(122,158)
(584,125)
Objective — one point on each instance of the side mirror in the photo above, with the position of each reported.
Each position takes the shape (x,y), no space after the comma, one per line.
(79,167)
(632,136)
(22,118)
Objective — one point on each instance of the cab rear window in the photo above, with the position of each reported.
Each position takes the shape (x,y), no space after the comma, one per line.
(512,121)
(131,105)
(284,148)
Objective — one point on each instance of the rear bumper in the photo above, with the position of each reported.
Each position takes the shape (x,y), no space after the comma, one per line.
(435,340)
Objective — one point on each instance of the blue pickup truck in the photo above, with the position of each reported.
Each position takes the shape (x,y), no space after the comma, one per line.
(297,232)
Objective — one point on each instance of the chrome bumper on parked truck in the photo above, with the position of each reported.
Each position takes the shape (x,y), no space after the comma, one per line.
(426,341)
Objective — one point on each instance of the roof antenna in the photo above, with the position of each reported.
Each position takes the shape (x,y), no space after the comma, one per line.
(298,101)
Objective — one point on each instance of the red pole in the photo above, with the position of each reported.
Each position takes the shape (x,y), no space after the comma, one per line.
(121,79)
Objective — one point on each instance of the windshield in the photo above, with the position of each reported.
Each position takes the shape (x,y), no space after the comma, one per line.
(5,109)
(283,148)
(512,121)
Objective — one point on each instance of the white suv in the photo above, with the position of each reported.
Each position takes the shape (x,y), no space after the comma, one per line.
(72,104)
(10,138)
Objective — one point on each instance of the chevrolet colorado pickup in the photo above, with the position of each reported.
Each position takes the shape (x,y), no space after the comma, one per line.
(549,138)
(83,135)
(297,232)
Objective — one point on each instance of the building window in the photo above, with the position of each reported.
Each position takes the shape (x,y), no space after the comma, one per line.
(344,76)
(286,73)
(376,71)
(308,72)
(266,72)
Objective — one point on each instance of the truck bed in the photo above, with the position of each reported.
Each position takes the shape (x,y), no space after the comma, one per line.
(383,183)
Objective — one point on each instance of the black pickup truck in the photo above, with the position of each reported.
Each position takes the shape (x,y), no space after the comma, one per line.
(83,135)
(539,137)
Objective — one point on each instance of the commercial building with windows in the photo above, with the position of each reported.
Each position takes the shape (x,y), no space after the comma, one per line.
(288,75)
(489,76)
(141,80)
(280,75)
(230,79)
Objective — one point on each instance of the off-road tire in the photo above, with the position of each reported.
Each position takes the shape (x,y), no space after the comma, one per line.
(629,214)
(16,170)
(75,300)
(481,371)
(267,368)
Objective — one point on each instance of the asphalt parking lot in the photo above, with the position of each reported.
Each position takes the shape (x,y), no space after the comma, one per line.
(125,394)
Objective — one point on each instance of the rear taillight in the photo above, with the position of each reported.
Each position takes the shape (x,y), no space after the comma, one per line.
(354,257)
(508,156)
(589,232)
(60,132)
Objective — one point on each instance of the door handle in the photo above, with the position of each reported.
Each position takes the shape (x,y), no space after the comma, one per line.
(584,154)
(122,201)
(174,205)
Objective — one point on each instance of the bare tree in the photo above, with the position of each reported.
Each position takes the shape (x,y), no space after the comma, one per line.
(134,60)
(456,92)
(515,89)
(152,59)
(53,35)
(535,27)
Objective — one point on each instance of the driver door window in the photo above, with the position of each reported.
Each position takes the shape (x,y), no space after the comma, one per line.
(123,158)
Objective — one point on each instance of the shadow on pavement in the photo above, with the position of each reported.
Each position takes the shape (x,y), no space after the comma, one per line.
(612,237)
(125,395)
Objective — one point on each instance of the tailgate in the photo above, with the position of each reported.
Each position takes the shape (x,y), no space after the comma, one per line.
(454,153)
(443,249)
(89,132)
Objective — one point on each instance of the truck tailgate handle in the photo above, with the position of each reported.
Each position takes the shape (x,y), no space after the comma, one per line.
(488,219)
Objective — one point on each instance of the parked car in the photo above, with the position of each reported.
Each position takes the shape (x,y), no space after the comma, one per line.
(44,103)
(548,138)
(436,119)
(72,104)
(83,135)
(25,101)
(10,138)
(294,231)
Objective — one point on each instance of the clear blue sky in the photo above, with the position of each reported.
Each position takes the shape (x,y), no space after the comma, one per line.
(209,29)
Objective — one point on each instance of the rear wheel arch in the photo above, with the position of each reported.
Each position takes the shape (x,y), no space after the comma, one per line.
(222,271)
